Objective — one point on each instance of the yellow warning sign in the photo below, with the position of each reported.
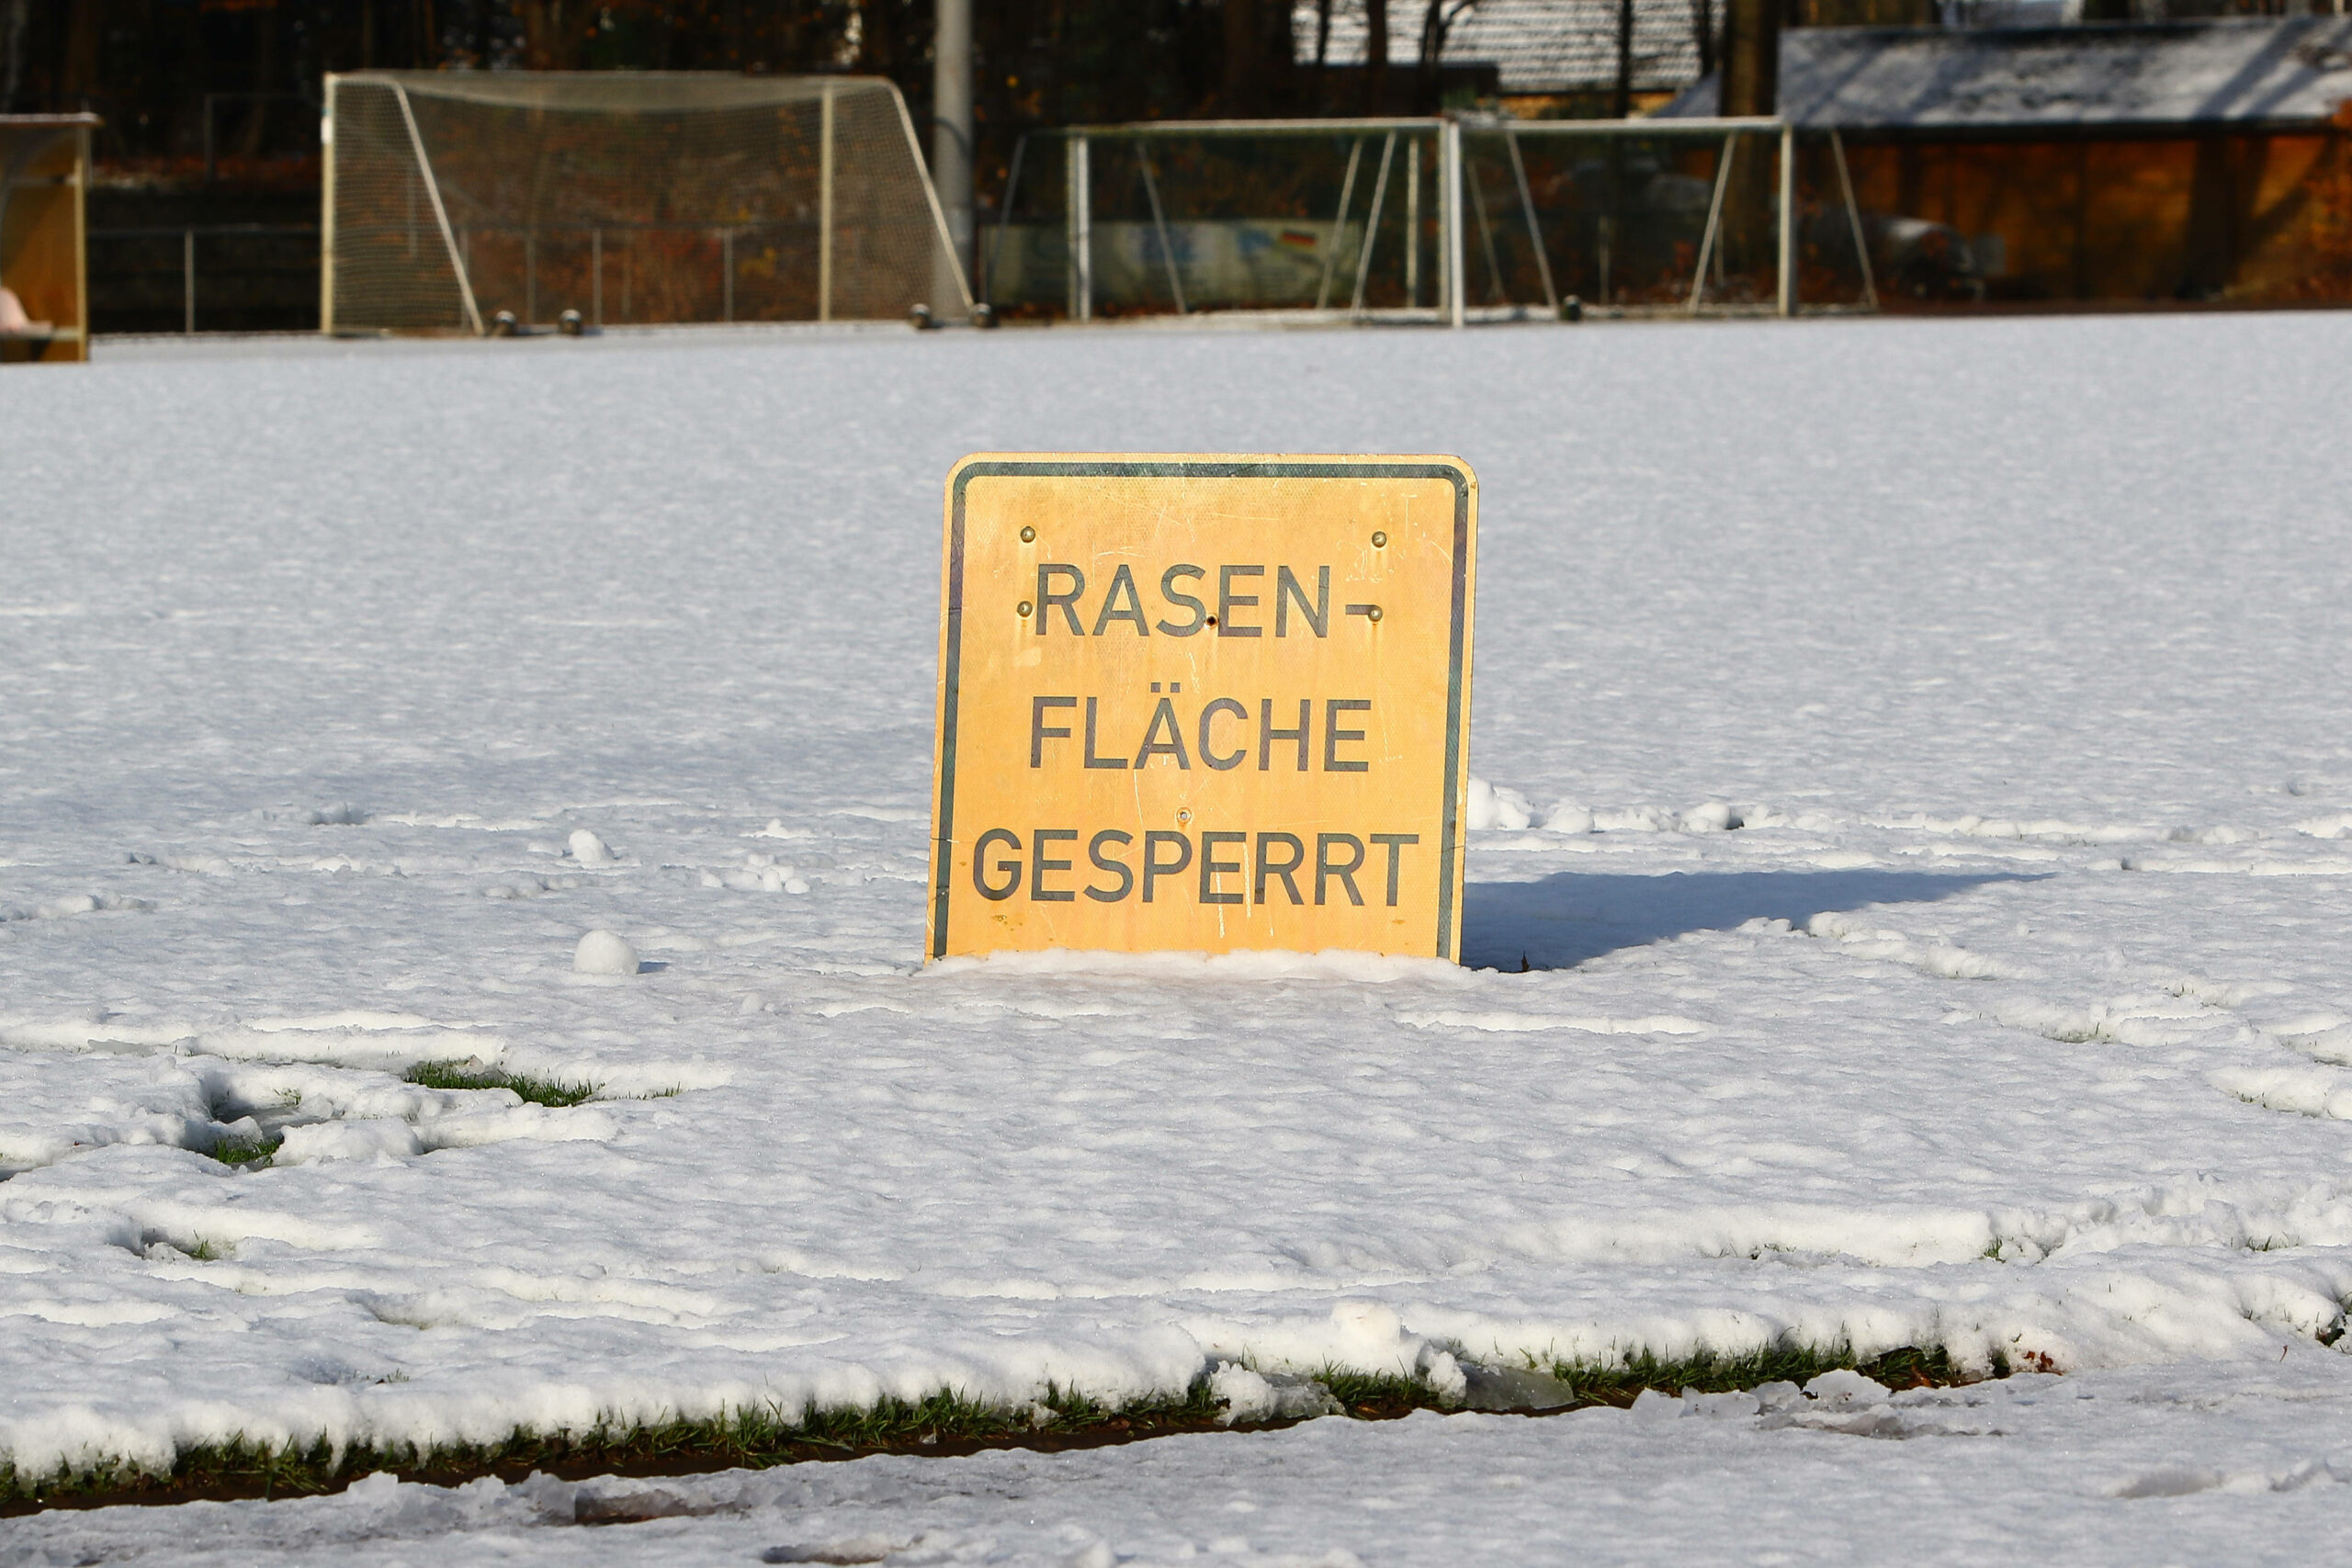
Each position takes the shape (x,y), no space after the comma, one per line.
(1204,703)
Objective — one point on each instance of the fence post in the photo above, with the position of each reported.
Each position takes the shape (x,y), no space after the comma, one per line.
(1412,223)
(1081,232)
(326,211)
(727,261)
(596,278)
(1788,218)
(1455,284)
(188,281)
(825,208)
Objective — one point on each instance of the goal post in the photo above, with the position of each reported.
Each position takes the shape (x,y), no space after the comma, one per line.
(1461,220)
(453,199)
(1186,216)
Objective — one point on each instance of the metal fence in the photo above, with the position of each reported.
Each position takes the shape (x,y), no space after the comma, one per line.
(204,277)
(645,274)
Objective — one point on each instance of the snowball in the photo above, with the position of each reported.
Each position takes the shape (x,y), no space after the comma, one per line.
(1446,1378)
(1657,1405)
(1245,1395)
(602,953)
(1720,1406)
(1714,817)
(1844,1390)
(1493,808)
(375,1138)
(1568,818)
(588,849)
(1249,1396)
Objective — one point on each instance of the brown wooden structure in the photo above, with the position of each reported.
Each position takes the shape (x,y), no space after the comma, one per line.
(2104,165)
(44,175)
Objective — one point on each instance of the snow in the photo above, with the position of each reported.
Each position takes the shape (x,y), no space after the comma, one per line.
(2250,69)
(1907,906)
(603,953)
(590,850)
(2147,1465)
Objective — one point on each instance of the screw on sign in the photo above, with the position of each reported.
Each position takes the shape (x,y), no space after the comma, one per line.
(1204,703)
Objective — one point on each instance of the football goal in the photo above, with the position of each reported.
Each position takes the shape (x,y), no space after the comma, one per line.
(459,202)
(1456,219)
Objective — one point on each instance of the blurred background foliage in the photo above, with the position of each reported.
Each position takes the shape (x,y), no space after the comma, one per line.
(245,76)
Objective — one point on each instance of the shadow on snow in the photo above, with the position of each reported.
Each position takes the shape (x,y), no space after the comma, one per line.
(1558,921)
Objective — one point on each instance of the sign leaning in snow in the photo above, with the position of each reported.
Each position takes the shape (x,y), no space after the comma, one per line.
(1203,703)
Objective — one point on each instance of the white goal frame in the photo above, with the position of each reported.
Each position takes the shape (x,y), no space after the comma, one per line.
(1454,307)
(952,265)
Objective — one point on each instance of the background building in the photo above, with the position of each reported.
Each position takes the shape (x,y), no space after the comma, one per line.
(2193,162)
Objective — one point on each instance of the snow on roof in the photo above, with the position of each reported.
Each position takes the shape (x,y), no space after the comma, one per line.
(1537,46)
(2296,68)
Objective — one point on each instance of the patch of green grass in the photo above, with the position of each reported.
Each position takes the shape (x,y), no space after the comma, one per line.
(245,1151)
(206,1250)
(946,1422)
(533,1090)
(1710,1372)
(1377,1393)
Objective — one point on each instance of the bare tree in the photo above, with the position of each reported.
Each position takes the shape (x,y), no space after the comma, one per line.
(1751,71)
(551,34)
(1621,100)
(19,14)
(1436,23)
(85,24)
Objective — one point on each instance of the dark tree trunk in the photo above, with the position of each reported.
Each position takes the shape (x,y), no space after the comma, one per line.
(1244,58)
(1751,67)
(1620,103)
(15,15)
(267,24)
(1376,56)
(84,27)
(551,31)
(1430,85)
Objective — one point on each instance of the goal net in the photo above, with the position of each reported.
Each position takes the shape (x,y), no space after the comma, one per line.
(644,197)
(1482,220)
(1661,216)
(1179,217)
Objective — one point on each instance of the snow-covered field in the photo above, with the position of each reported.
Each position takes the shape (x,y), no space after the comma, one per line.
(1922,806)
